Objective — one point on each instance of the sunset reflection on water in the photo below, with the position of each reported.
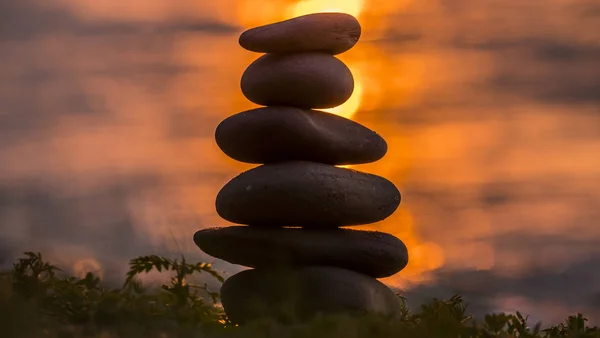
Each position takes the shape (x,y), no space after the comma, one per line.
(490,110)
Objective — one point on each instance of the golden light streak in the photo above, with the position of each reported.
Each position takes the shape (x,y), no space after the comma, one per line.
(424,256)
(353,7)
(349,108)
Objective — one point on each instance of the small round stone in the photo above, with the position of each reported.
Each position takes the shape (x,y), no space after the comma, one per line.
(299,294)
(372,253)
(306,194)
(306,80)
(277,134)
(332,33)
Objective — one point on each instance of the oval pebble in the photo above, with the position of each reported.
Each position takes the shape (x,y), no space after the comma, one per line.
(332,33)
(372,253)
(306,80)
(277,134)
(306,194)
(304,293)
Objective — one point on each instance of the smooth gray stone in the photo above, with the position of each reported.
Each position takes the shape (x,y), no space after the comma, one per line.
(306,80)
(277,134)
(306,194)
(298,294)
(372,253)
(332,33)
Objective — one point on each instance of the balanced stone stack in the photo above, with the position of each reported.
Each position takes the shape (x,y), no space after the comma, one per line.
(293,206)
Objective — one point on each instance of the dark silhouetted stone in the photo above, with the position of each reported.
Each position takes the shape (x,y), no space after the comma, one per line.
(277,134)
(332,33)
(307,80)
(304,292)
(306,194)
(318,268)
(372,253)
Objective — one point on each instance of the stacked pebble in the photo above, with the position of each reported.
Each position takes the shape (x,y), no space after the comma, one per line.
(295,202)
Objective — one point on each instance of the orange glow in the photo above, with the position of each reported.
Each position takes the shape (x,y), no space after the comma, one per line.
(350,107)
(254,13)
(382,80)
(493,176)
(423,256)
(83,266)
(352,7)
(379,82)
(388,77)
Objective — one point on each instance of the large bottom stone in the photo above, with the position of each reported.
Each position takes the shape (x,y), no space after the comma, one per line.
(290,295)
(373,253)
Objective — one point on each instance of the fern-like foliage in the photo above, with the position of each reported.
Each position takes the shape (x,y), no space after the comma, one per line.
(40,300)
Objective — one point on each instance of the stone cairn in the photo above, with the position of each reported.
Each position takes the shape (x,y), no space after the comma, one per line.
(293,205)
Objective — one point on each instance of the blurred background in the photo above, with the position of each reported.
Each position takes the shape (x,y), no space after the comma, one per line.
(491,110)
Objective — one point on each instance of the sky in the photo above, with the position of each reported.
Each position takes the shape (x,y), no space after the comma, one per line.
(491,111)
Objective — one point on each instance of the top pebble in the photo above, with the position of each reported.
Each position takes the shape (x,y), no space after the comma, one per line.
(332,33)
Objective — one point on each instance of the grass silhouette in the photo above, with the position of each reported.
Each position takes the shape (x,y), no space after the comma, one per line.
(38,300)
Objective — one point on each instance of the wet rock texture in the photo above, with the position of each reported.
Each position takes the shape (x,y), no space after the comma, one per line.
(291,207)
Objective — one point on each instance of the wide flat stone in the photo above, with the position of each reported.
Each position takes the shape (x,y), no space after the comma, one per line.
(277,134)
(306,194)
(289,295)
(306,80)
(372,253)
(332,33)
